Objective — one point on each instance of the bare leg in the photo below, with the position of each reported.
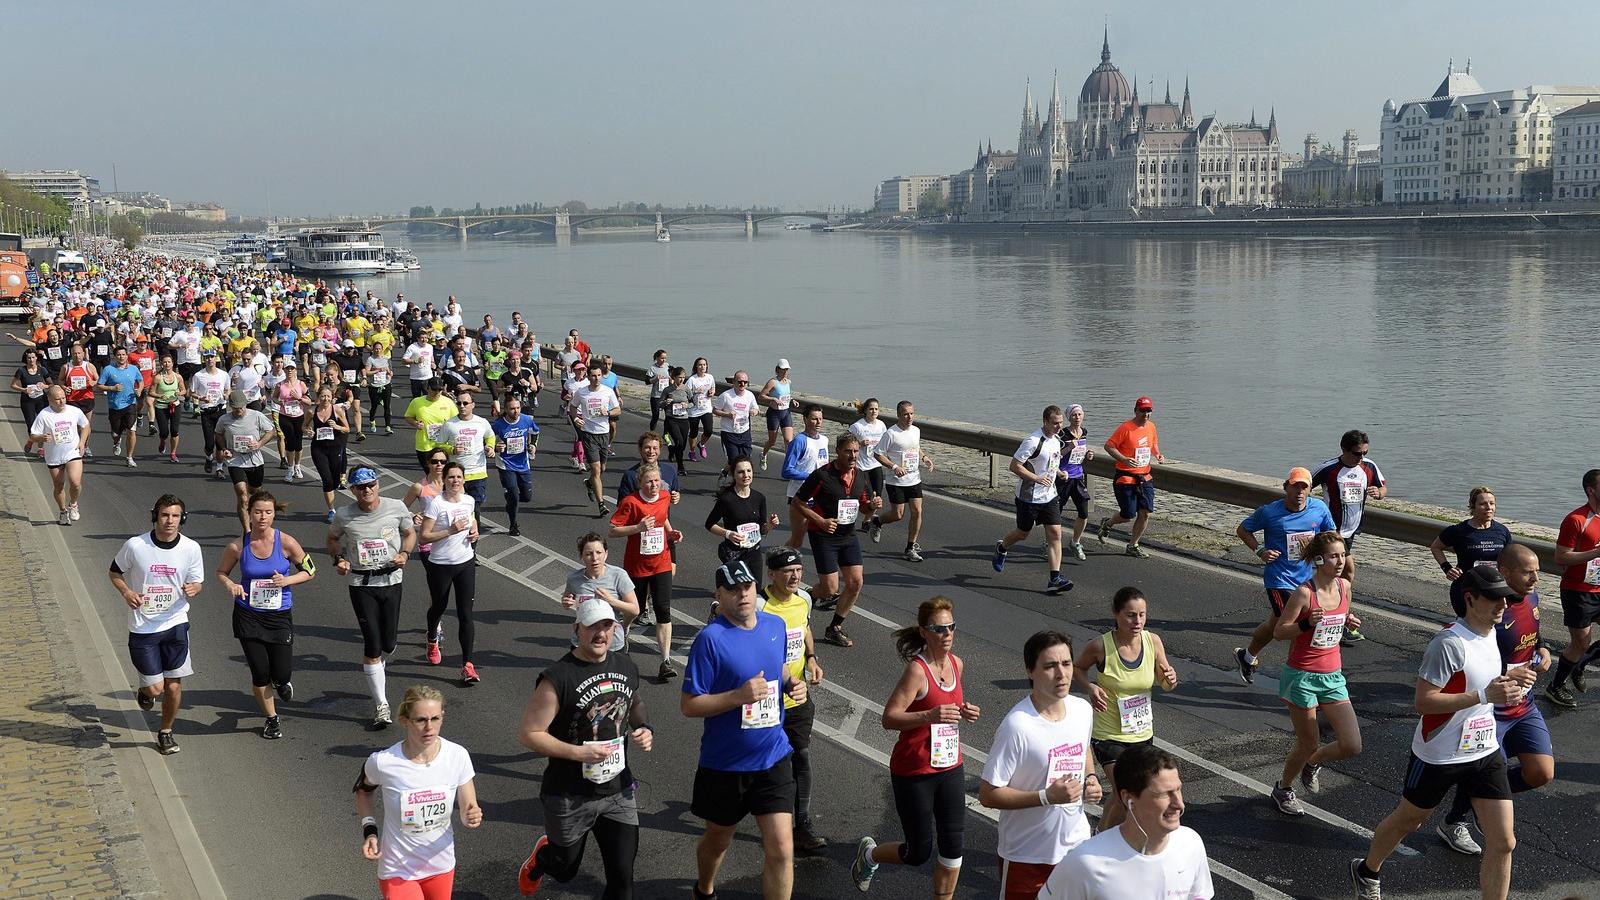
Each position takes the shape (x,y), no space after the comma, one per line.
(1406,818)
(1499,840)
(777,844)
(853,580)
(171,699)
(1140,522)
(708,854)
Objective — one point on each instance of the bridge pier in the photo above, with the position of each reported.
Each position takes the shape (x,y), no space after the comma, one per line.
(461,227)
(563,227)
(749,225)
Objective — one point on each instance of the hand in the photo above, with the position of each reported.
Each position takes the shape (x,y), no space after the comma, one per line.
(755,690)
(569,600)
(877,503)
(676,497)
(944,714)
(899,471)
(813,671)
(1097,698)
(829,526)
(797,690)
(1453,574)
(773,520)
(605,595)
(1094,792)
(369,847)
(675,536)
(647,523)
(643,738)
(133,600)
(970,711)
(472,816)
(459,525)
(1169,675)
(1314,615)
(1504,691)
(277,579)
(592,753)
(1064,790)
(192,589)
(1268,555)
(1542,661)
(1524,676)
(1159,458)
(236,590)
(1372,493)
(342,567)
(1353,620)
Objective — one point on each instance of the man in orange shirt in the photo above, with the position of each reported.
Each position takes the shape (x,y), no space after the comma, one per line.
(1134,446)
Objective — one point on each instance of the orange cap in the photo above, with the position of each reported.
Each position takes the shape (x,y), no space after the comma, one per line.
(1301,475)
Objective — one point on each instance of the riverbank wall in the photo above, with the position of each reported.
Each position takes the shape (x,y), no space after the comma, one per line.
(1276,224)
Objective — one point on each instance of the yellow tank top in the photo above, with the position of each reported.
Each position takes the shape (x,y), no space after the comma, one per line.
(1128,716)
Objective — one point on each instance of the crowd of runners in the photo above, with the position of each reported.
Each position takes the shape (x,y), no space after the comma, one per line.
(256,365)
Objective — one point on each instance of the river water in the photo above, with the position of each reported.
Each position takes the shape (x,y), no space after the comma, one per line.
(1465,358)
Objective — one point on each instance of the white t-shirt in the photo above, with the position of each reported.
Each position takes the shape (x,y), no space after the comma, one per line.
(418,838)
(247,379)
(701,387)
(1469,733)
(158,575)
(1105,868)
(466,438)
(1029,752)
(903,446)
(209,388)
(869,434)
(63,428)
(595,405)
(420,357)
(742,405)
(1042,455)
(456,548)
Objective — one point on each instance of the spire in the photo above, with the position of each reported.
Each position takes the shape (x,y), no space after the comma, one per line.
(1105,45)
(1272,126)
(1029,130)
(1169,92)
(1252,117)
(1186,115)
(1055,100)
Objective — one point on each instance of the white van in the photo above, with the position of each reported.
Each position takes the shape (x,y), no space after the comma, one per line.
(70,261)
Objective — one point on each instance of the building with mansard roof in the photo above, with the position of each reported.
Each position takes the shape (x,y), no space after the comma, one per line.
(1119,154)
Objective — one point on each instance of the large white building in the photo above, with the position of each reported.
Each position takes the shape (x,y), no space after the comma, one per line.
(70,185)
(1576,167)
(901,193)
(1466,144)
(1119,154)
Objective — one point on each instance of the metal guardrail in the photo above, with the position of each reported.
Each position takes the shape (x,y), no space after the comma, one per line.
(999,443)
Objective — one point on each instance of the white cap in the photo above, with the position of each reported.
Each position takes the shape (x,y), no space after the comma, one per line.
(783,364)
(594,611)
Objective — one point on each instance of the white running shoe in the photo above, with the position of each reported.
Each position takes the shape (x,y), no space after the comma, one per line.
(74,510)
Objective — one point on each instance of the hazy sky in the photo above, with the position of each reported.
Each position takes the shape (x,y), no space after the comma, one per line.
(351,106)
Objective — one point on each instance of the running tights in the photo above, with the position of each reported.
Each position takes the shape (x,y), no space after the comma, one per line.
(698,423)
(378,613)
(463,577)
(293,430)
(325,456)
(655,412)
(269,663)
(378,399)
(932,808)
(208,429)
(167,420)
(619,844)
(657,591)
(678,438)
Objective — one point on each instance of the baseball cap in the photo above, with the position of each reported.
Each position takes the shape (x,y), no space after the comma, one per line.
(734,573)
(1299,475)
(1488,582)
(348,343)
(783,558)
(1143,403)
(209,351)
(238,400)
(141,339)
(289,363)
(363,475)
(783,364)
(593,611)
(435,383)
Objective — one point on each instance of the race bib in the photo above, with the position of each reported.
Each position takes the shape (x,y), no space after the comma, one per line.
(679,410)
(783,402)
(794,645)
(849,511)
(910,459)
(652,541)
(53,352)
(293,409)
(213,396)
(78,382)
(319,359)
(741,421)
(243,443)
(432,431)
(749,534)
(515,444)
(1079,450)
(1329,629)
(1066,761)
(102,350)
(1295,544)
(147,364)
(766,713)
(63,433)
(1352,492)
(661,383)
(349,375)
(426,811)
(1141,456)
(464,441)
(35,390)
(380,377)
(608,768)
(324,433)
(944,745)
(373,553)
(159,598)
(595,406)
(1591,572)
(265,595)
(1136,712)
(1477,734)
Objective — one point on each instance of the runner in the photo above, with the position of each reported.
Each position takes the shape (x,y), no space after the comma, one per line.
(241,434)
(1455,743)
(1578,549)
(676,399)
(167,395)
(263,601)
(643,518)
(289,400)
(63,432)
(519,381)
(659,377)
(370,541)
(419,356)
(584,710)
(739,516)
(869,430)
(125,386)
(831,500)
(379,375)
(517,439)
(803,455)
(1348,481)
(1150,855)
(702,388)
(735,407)
(450,525)
(1129,660)
(209,387)
(1071,482)
(143,358)
(157,573)
(1040,772)
(899,451)
(422,777)
(1134,446)
(1286,527)
(1312,678)
(776,395)
(1520,728)
(427,414)
(649,444)
(1474,540)
(329,430)
(927,707)
(785,598)
(1035,464)
(472,442)
(745,757)
(31,382)
(598,578)
(594,408)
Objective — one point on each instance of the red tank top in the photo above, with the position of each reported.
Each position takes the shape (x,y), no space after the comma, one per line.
(914,751)
(77,375)
(1317,649)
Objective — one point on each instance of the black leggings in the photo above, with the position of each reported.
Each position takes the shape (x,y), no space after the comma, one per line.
(930,804)
(269,663)
(376,395)
(678,436)
(31,407)
(294,432)
(167,420)
(378,613)
(208,429)
(697,423)
(655,412)
(657,590)
(325,456)
(464,578)
(797,724)
(619,844)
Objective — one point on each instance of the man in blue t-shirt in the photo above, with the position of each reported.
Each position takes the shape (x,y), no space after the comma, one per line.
(1286,525)
(122,383)
(517,438)
(735,680)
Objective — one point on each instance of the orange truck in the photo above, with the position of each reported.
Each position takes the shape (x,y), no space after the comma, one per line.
(13,276)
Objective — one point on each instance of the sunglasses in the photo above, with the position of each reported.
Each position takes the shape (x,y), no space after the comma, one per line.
(436,462)
(942,629)
(741,381)
(371,486)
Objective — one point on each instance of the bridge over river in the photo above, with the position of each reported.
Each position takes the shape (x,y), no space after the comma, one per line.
(564,223)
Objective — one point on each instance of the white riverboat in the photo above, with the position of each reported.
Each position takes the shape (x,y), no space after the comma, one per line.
(663,235)
(337,251)
(394,261)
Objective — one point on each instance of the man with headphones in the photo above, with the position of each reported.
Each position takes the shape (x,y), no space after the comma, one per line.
(157,573)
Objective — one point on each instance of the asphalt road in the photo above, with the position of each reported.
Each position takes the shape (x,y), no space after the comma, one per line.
(277,821)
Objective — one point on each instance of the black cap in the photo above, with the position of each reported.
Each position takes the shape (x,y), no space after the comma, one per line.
(732,574)
(1488,582)
(783,558)
(435,383)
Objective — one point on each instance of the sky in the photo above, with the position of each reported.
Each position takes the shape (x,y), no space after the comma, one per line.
(314,108)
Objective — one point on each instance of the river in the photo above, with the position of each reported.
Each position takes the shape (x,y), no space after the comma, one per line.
(1460,356)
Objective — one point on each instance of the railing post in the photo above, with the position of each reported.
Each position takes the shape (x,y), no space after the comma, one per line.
(994,469)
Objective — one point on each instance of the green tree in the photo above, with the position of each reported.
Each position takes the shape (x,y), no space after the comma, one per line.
(127,231)
(932,203)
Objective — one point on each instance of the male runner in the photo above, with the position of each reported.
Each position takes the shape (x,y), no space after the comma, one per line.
(1134,446)
(1286,525)
(900,452)
(1578,549)
(1348,481)
(1034,464)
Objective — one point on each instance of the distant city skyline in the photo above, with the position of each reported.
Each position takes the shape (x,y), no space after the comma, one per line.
(718,102)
